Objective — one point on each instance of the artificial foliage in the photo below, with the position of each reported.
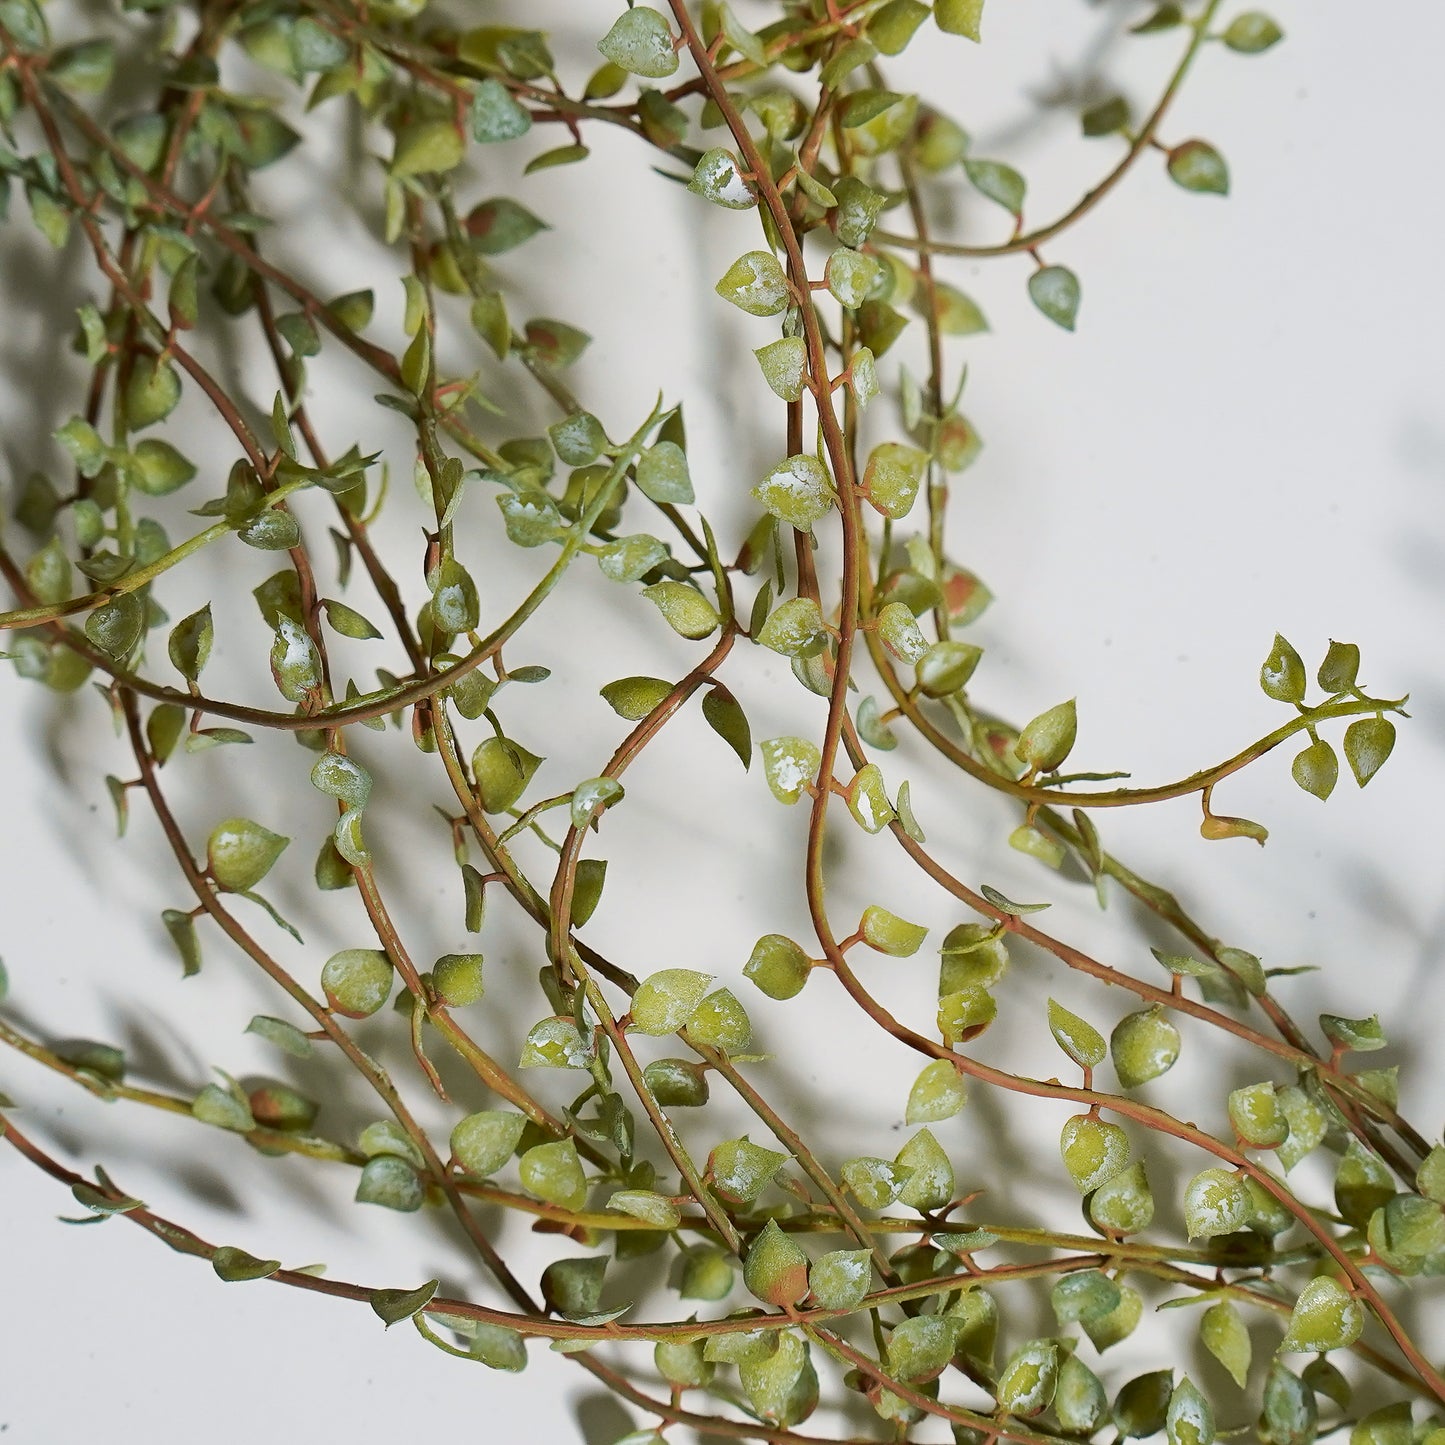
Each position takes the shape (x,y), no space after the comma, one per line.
(770,1280)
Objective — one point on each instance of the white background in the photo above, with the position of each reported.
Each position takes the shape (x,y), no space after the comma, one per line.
(1244,435)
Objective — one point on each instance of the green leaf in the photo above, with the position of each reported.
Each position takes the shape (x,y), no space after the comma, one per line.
(240,853)
(975,1319)
(775,1269)
(741,1170)
(502,770)
(457,978)
(426,147)
(684,608)
(1141,1407)
(394,1305)
(1084,1294)
(947,666)
(1007,905)
(875,1182)
(790,765)
(1368,744)
(1197,166)
(665,1000)
(795,629)
(1325,1317)
(778,966)
(756,283)
(392,1183)
(1123,1204)
(1093,1150)
(1106,117)
(500,225)
(956,313)
(1339,669)
(1316,769)
(151,392)
(495,115)
(573,1287)
(959,17)
(1215,1202)
(859,107)
(929,1184)
(1389,1425)
(299,333)
(357,981)
(973,957)
(85,67)
(634,697)
(892,478)
(964,1014)
(84,444)
(1251,33)
(919,1348)
(271,531)
(347,621)
(797,491)
(850,276)
(182,930)
(1048,739)
(721,1022)
(647,1205)
(1028,1379)
(1430,1177)
(641,43)
(590,798)
(938,1093)
(553,1172)
(1407,1232)
(892,27)
(102,1204)
(353,310)
(555,1044)
(867,801)
(839,1279)
(1144,1045)
(1307,1125)
(342,777)
(1257,1118)
(116,627)
(236,1266)
(900,634)
(630,559)
(1165,16)
(1361,1035)
(286,1037)
(718,178)
(662,474)
(1080,1040)
(1079,1399)
(1055,291)
(1224,1335)
(224,1107)
(1000,183)
(190,642)
(295,663)
(159,468)
(386,1136)
(483,1142)
(1290,1415)
(496,1346)
(724,715)
(890,934)
(784,366)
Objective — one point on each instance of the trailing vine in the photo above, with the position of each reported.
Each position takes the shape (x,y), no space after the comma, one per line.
(888,1288)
